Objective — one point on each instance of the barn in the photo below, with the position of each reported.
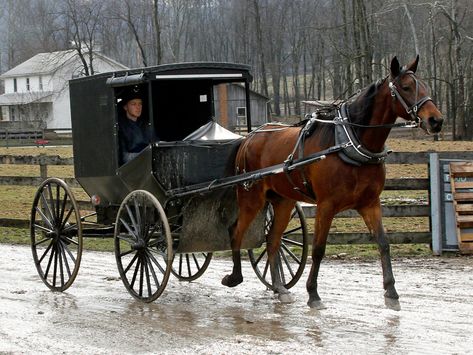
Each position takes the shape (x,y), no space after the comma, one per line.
(230,107)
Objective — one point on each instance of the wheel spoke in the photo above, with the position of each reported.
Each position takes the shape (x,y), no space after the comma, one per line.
(44,229)
(64,256)
(41,241)
(55,265)
(147,272)
(45,205)
(188,265)
(142,275)
(57,202)
(180,264)
(128,228)
(279,265)
(71,255)
(263,253)
(286,261)
(63,224)
(292,255)
(266,267)
(292,230)
(70,240)
(156,281)
(63,208)
(61,268)
(126,238)
(46,251)
(131,263)
(126,253)
(196,262)
(137,268)
(155,261)
(53,212)
(138,217)
(44,218)
(292,242)
(133,222)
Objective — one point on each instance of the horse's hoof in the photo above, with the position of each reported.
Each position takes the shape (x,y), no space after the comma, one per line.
(316,305)
(392,303)
(285,298)
(232,281)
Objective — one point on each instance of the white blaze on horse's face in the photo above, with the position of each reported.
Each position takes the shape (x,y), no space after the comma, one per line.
(412,98)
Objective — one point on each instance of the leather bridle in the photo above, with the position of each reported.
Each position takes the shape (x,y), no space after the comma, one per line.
(413,109)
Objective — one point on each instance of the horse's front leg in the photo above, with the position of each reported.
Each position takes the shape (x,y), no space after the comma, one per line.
(249,206)
(373,218)
(282,215)
(323,221)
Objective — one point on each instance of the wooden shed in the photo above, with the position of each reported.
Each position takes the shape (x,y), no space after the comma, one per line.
(230,107)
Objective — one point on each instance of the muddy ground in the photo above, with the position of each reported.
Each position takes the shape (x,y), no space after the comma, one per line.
(96,315)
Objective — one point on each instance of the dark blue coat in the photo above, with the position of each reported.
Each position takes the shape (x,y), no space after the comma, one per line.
(134,137)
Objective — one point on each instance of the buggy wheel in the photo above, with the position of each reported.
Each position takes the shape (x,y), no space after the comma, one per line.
(56,234)
(143,246)
(292,253)
(189,267)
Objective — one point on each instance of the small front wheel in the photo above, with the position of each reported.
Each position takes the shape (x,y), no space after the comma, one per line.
(292,254)
(143,246)
(56,234)
(190,266)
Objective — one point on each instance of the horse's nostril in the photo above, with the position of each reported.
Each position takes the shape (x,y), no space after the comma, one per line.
(435,123)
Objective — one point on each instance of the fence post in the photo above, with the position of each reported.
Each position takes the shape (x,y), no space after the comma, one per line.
(43,167)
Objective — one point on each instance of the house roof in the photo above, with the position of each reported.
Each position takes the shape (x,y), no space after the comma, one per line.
(48,63)
(25,98)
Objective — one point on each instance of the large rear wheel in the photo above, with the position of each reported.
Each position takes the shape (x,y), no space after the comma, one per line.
(143,246)
(292,253)
(56,234)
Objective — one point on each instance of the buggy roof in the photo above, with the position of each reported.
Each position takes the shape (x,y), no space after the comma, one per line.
(215,71)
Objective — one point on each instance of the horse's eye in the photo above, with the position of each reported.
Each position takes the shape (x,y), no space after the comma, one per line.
(406,88)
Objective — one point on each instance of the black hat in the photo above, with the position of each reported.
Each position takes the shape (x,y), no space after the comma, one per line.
(131,93)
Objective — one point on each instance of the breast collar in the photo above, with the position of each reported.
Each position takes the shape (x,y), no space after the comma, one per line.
(354,153)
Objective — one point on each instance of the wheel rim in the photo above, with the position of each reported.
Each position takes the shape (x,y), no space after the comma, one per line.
(56,234)
(190,266)
(143,246)
(292,254)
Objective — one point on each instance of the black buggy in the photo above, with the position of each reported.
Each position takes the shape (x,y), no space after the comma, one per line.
(172,206)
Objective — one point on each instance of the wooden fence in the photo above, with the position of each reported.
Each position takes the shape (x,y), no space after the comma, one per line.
(389,210)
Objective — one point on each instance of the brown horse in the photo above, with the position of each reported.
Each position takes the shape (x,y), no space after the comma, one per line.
(353,178)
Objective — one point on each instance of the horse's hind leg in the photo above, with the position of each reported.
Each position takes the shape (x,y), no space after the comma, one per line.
(249,203)
(373,219)
(282,215)
(323,221)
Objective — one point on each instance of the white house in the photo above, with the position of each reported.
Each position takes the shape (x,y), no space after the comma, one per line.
(37,91)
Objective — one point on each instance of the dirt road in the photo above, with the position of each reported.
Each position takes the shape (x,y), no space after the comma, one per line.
(96,315)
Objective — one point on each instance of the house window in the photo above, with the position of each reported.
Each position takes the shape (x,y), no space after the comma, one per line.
(40,83)
(15,85)
(12,114)
(27,84)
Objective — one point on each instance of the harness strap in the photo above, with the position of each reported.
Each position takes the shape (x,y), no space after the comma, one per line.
(299,146)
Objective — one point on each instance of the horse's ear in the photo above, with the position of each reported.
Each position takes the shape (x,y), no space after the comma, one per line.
(413,66)
(395,68)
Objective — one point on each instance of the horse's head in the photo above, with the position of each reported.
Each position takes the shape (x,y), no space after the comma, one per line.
(410,97)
